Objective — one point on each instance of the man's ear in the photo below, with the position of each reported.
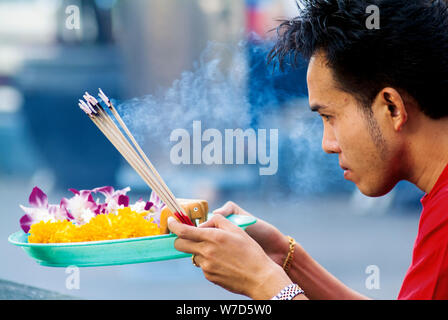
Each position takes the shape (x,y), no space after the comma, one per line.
(391,104)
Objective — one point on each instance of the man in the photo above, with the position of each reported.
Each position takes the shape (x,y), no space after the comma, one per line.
(382,94)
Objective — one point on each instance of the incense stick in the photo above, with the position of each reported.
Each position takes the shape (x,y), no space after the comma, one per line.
(136,159)
(113,133)
(110,125)
(137,146)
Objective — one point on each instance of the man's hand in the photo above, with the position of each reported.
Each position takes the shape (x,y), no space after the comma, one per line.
(230,258)
(273,242)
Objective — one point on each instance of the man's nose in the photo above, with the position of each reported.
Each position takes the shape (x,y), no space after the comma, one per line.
(329,142)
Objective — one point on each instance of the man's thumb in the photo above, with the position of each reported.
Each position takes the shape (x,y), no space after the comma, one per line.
(226,209)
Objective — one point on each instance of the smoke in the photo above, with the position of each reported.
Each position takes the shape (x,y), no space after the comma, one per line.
(229,87)
(214,92)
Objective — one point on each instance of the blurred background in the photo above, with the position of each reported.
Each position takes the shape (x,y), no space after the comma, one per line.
(167,63)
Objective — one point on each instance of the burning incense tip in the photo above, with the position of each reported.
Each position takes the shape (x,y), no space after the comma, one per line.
(84,109)
(103,97)
(90,98)
(88,106)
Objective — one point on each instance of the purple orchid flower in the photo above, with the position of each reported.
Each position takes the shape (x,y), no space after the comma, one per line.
(102,207)
(114,199)
(40,210)
(156,201)
(151,209)
(81,207)
(123,200)
(148,205)
(156,206)
(141,206)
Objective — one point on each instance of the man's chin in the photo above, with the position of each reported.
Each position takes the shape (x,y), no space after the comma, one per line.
(370,191)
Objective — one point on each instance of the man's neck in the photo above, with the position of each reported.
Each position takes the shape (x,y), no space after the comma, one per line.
(428,153)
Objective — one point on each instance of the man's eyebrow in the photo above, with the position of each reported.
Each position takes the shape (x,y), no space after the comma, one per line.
(317,107)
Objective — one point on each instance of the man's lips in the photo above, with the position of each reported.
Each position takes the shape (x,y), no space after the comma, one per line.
(346,170)
(343,167)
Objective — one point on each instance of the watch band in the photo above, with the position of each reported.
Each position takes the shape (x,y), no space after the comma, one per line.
(289,292)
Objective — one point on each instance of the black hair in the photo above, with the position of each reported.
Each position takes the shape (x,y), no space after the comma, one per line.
(408,52)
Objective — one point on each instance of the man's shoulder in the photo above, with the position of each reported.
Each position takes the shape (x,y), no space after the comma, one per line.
(434,218)
(437,198)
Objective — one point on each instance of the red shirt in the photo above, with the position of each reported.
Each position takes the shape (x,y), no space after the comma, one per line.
(427,277)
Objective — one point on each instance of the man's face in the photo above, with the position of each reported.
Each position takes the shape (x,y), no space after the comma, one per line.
(352,133)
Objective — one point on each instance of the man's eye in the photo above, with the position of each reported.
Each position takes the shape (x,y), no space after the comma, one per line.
(325,117)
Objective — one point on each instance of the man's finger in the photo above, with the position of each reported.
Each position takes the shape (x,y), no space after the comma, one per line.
(228,208)
(219,222)
(187,232)
(187,246)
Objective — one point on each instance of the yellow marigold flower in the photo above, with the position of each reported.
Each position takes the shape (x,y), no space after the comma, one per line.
(123,224)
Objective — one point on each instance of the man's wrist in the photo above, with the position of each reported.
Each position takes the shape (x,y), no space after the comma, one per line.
(282,251)
(299,259)
(270,283)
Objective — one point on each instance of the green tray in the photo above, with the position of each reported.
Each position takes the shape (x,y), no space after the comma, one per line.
(109,252)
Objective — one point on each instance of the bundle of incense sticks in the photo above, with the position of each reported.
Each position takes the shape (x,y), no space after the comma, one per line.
(130,149)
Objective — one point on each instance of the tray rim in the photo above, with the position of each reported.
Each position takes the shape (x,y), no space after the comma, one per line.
(112,241)
(82,243)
